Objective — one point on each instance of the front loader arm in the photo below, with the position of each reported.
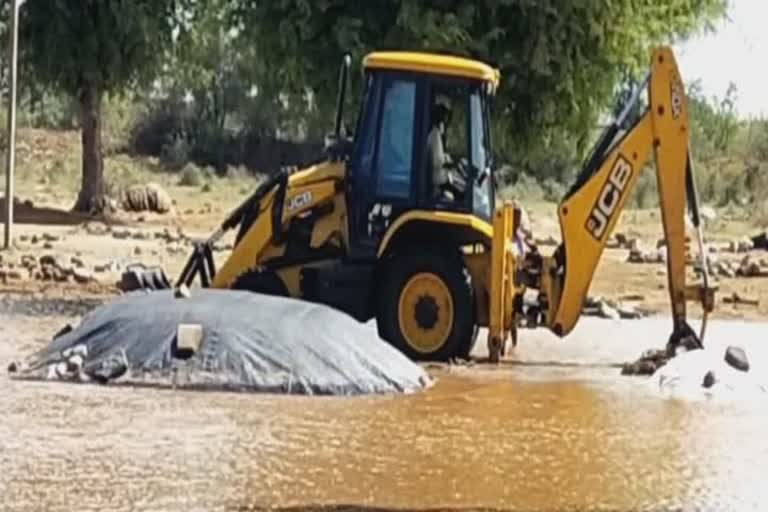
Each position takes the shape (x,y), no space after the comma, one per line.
(589,213)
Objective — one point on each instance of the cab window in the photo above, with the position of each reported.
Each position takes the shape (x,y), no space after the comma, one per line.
(482,193)
(394,162)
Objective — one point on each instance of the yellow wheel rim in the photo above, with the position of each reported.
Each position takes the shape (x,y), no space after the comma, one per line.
(425,312)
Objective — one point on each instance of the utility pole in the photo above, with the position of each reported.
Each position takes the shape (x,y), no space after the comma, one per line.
(11,154)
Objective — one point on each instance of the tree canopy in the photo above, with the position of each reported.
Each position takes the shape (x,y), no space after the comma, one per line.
(234,75)
(560,60)
(109,43)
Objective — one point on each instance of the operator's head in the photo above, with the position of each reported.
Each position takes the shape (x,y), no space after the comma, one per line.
(441,114)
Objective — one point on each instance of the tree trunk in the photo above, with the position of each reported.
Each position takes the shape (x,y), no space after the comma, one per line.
(92,198)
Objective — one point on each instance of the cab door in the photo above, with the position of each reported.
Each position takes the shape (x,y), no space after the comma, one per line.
(385,158)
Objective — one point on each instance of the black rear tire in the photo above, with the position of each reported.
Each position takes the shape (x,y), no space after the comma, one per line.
(430,290)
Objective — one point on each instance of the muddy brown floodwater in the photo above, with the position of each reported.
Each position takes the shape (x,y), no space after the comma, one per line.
(524,437)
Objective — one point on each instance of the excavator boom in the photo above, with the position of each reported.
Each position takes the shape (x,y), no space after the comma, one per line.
(589,213)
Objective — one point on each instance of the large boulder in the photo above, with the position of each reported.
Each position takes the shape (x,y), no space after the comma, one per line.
(150,197)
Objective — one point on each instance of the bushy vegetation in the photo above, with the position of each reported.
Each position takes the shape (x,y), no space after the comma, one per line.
(233,88)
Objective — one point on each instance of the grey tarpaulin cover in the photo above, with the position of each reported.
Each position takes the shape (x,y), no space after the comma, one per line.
(250,342)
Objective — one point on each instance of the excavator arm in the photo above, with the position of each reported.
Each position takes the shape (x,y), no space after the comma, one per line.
(588,214)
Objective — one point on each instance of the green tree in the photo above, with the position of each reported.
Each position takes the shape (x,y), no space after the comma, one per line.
(714,120)
(90,48)
(560,60)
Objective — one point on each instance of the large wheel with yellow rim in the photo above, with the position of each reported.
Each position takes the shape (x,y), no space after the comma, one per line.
(426,305)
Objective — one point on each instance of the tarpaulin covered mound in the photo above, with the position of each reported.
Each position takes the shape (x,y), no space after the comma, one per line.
(246,342)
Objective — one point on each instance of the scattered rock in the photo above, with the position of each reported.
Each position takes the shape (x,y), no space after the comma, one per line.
(612,243)
(707,213)
(13,367)
(607,311)
(737,358)
(121,235)
(725,269)
(749,267)
(82,276)
(628,312)
(636,256)
(175,248)
(49,260)
(77,262)
(547,241)
(641,367)
(647,364)
(741,246)
(47,245)
(28,261)
(47,237)
(23,238)
(745,245)
(760,241)
(709,379)
(34,239)
(97,228)
(137,251)
(169,237)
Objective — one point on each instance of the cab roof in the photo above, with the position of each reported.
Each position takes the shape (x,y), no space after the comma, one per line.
(433,63)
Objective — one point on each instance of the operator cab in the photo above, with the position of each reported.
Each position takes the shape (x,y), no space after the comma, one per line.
(422,140)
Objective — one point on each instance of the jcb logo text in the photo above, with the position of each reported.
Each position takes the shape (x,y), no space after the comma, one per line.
(299,201)
(609,198)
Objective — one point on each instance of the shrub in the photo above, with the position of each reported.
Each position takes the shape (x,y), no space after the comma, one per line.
(191,176)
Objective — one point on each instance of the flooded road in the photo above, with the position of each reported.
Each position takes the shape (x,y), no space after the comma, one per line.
(524,437)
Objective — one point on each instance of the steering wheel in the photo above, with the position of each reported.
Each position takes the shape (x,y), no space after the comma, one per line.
(462,169)
(458,178)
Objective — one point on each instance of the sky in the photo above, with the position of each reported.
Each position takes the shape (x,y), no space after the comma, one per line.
(736,52)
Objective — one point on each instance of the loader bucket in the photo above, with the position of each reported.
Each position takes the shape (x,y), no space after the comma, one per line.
(140,277)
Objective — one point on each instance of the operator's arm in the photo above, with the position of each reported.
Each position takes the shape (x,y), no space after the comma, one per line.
(436,157)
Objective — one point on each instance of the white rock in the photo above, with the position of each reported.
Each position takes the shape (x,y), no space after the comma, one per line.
(707,213)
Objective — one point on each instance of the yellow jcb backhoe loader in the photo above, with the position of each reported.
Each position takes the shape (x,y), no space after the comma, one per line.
(399,222)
